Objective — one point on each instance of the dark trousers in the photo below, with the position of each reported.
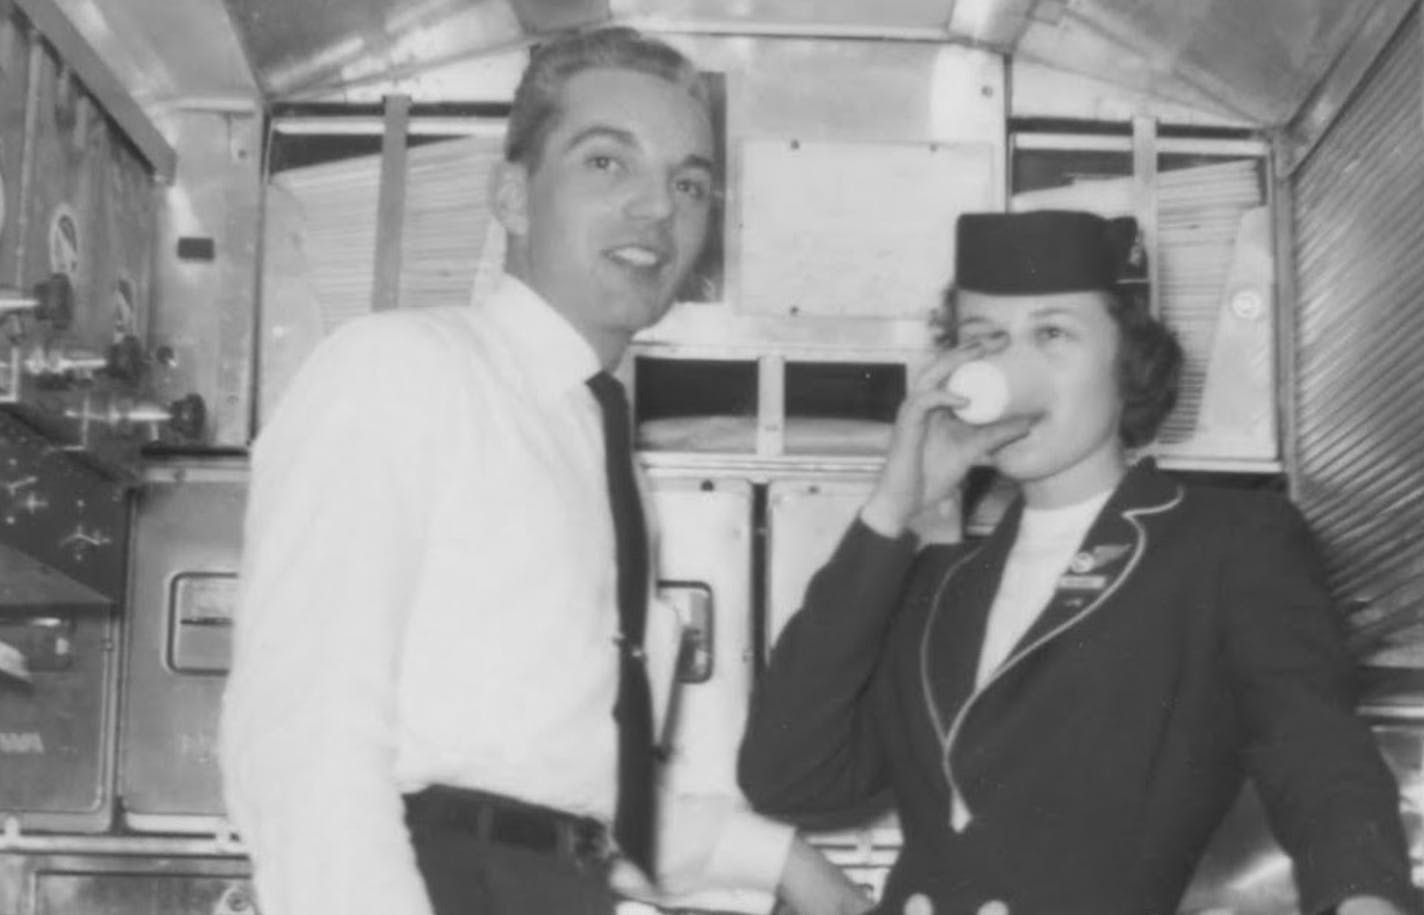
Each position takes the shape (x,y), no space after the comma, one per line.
(469,875)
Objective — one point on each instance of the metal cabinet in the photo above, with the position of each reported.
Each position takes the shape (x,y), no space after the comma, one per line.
(704,527)
(62,541)
(183,585)
(805,521)
(57,731)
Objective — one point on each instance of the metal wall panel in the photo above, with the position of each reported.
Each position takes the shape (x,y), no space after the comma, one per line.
(14,89)
(203,306)
(79,203)
(844,95)
(1359,228)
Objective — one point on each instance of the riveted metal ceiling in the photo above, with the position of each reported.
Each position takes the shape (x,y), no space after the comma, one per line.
(1253,61)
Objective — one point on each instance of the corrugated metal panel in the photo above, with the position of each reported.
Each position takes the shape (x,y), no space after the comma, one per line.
(1359,238)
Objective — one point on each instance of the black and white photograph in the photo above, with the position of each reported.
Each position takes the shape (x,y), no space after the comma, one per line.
(711,457)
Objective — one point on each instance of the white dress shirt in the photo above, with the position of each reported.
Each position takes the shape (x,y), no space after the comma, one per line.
(428,596)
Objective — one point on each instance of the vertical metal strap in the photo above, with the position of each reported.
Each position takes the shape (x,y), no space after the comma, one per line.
(1144,192)
(390,205)
(34,65)
(771,406)
(1286,308)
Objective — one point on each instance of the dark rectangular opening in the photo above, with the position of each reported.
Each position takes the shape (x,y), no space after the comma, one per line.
(841,408)
(845,390)
(695,404)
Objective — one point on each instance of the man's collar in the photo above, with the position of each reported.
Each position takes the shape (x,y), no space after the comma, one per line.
(557,356)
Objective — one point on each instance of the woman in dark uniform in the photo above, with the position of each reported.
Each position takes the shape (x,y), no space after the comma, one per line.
(1064,712)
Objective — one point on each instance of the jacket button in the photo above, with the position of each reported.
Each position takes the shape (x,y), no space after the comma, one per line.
(919,904)
(994,907)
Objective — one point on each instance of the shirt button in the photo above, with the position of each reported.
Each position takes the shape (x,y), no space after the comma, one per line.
(994,907)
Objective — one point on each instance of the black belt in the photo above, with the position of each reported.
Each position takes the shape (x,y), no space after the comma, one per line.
(496,818)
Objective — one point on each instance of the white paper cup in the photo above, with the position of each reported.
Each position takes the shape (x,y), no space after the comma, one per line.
(986,387)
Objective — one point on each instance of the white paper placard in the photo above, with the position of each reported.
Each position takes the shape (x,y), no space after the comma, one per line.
(855,229)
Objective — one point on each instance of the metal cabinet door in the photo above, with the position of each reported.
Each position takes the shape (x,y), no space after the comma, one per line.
(57,731)
(805,521)
(183,583)
(705,548)
(62,541)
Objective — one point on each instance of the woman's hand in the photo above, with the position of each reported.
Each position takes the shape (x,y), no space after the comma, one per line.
(931,450)
(812,885)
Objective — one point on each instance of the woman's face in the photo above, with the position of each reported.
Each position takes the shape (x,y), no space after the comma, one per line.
(1061,351)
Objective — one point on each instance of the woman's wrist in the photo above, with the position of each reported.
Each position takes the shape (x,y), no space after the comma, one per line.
(884,517)
(941,522)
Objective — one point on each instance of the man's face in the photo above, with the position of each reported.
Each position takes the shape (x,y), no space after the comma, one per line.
(615,211)
(1061,351)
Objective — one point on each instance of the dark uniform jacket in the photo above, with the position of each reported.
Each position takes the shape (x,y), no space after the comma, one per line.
(1190,643)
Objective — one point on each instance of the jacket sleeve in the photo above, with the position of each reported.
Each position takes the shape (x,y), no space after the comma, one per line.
(811,747)
(1331,801)
(333,538)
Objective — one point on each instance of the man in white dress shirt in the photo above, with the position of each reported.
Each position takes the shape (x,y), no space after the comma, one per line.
(419,717)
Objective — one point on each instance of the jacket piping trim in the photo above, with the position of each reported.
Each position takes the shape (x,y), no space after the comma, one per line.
(949,739)
(936,718)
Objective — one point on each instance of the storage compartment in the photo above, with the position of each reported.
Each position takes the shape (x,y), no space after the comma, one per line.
(841,407)
(187,541)
(704,564)
(705,546)
(773,406)
(57,723)
(702,405)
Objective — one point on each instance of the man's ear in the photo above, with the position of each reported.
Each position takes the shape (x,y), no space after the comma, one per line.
(509,197)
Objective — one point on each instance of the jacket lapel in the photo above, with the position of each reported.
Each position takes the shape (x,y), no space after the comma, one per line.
(954,629)
(1107,556)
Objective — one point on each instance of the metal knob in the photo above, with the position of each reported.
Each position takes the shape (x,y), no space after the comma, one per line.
(55,301)
(188,417)
(127,361)
(51,300)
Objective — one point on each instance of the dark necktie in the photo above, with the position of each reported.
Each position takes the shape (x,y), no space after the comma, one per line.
(633,823)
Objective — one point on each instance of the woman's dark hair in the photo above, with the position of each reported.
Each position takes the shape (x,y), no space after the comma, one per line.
(1149,360)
